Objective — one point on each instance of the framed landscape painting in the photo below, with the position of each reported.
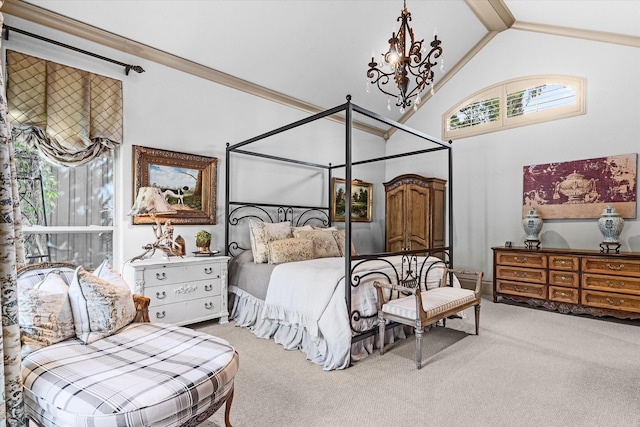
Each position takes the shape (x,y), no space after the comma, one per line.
(582,188)
(187,182)
(362,198)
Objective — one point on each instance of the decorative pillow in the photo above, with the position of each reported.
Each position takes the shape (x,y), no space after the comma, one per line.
(324,244)
(45,313)
(99,308)
(290,250)
(31,278)
(105,271)
(261,233)
(339,236)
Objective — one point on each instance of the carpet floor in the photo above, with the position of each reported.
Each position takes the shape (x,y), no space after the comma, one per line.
(528,367)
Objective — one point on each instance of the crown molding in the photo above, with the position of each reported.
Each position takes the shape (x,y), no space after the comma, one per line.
(37,15)
(599,36)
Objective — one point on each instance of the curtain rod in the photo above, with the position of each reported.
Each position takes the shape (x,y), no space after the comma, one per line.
(127,67)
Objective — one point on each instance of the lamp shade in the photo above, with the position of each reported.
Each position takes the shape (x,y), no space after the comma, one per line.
(150,201)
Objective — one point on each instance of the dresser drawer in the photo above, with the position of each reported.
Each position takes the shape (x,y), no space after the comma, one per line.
(176,273)
(176,292)
(522,259)
(611,300)
(564,262)
(524,274)
(191,311)
(611,266)
(522,289)
(563,294)
(628,285)
(564,278)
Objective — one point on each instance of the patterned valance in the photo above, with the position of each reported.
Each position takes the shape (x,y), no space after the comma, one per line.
(71,116)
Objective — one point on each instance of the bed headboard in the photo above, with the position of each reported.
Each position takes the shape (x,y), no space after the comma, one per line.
(240,214)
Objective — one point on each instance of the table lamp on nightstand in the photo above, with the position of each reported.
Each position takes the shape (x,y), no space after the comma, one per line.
(150,202)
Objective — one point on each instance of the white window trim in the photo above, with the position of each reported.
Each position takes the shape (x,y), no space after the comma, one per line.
(509,86)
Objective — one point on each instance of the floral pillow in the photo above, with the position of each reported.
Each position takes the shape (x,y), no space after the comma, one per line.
(100,308)
(45,313)
(261,233)
(339,236)
(290,250)
(324,244)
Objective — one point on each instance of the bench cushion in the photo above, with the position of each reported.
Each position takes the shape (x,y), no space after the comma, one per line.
(148,374)
(434,302)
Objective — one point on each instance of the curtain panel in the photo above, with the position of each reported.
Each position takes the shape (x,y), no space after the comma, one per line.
(11,257)
(70,115)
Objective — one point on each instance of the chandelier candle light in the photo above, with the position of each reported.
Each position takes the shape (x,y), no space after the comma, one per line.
(406,60)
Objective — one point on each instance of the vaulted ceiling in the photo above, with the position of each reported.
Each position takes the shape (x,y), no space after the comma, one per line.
(311,54)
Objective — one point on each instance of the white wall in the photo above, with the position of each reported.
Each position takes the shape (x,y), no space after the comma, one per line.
(488,168)
(171,110)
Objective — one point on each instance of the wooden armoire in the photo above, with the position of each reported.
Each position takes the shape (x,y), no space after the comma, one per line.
(415,213)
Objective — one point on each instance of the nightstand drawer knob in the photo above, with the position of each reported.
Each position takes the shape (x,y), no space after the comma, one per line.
(208,287)
(208,305)
(208,270)
(161,295)
(160,315)
(161,276)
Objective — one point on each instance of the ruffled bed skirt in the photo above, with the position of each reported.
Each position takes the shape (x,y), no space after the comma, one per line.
(248,312)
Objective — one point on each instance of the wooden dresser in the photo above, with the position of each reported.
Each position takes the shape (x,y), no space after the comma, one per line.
(414,213)
(182,290)
(569,281)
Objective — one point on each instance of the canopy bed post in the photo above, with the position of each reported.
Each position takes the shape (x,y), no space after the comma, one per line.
(348,202)
(227,166)
(450,204)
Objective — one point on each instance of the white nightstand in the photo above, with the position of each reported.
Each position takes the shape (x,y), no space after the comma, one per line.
(182,290)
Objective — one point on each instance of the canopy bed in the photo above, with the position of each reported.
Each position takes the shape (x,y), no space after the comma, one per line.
(289,282)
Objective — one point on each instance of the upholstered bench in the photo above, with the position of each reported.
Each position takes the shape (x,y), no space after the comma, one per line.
(144,374)
(419,308)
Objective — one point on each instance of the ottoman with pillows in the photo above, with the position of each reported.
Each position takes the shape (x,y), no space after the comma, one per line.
(90,357)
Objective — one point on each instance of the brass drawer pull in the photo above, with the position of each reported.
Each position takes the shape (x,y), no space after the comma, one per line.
(562,294)
(161,295)
(519,274)
(618,284)
(160,315)
(564,279)
(521,259)
(614,266)
(161,276)
(521,288)
(208,270)
(208,305)
(563,262)
(208,287)
(619,302)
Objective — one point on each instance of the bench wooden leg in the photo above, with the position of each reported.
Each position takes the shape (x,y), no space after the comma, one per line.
(477,312)
(381,328)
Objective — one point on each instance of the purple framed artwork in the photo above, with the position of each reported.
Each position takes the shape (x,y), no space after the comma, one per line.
(581,188)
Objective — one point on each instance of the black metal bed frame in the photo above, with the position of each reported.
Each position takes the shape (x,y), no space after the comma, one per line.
(412,272)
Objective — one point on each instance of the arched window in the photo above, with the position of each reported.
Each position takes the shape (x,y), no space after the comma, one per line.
(517,102)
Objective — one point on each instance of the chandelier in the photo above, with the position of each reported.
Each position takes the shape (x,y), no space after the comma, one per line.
(406,60)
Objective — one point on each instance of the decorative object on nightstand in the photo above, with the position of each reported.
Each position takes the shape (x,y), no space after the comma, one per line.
(203,241)
(610,224)
(151,202)
(532,224)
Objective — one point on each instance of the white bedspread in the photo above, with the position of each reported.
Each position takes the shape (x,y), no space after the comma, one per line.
(309,296)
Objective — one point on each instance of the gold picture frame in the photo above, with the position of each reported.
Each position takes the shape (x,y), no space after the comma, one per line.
(188,182)
(362,193)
